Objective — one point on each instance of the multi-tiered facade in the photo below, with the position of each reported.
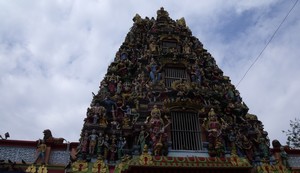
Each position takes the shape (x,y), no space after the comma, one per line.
(164,95)
(163,106)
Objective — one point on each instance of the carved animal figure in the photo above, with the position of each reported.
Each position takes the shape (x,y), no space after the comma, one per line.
(50,139)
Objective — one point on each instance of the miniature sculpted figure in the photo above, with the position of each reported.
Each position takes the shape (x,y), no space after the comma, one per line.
(41,151)
(49,138)
(245,145)
(31,169)
(156,123)
(121,144)
(126,121)
(158,147)
(196,74)
(113,150)
(127,110)
(93,140)
(42,169)
(113,80)
(103,121)
(106,147)
(100,144)
(142,137)
(152,46)
(84,142)
(213,127)
(157,129)
(115,124)
(154,71)
(95,118)
(119,87)
(284,157)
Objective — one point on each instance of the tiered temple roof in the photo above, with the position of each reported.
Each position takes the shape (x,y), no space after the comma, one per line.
(164,95)
(163,106)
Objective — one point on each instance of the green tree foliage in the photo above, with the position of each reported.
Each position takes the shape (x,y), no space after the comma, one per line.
(293,134)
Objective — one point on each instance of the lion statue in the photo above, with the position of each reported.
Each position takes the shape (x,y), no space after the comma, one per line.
(50,139)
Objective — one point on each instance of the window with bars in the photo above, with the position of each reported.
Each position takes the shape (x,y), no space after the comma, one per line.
(173,74)
(185,131)
(168,45)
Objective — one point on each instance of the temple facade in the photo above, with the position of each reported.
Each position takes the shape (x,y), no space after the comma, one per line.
(164,105)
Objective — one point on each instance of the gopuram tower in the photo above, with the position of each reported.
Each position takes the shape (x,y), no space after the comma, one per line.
(164,104)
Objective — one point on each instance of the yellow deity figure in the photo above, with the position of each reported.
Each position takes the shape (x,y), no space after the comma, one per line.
(99,167)
(152,46)
(181,22)
(79,166)
(31,169)
(145,158)
(103,121)
(42,169)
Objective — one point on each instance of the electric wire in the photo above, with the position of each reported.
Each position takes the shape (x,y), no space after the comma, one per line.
(259,55)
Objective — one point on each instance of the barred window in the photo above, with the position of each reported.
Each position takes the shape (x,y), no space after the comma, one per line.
(173,74)
(167,46)
(185,131)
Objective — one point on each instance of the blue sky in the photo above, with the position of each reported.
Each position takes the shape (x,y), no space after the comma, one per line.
(53,55)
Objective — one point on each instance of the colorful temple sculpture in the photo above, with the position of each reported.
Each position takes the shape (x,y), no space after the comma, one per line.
(164,105)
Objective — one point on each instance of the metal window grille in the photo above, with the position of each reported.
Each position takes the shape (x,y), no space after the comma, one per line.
(173,74)
(185,131)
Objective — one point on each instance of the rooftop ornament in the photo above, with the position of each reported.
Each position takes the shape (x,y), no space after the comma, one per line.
(6,135)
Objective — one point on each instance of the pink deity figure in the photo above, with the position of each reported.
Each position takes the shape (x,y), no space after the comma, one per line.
(157,128)
(156,123)
(213,127)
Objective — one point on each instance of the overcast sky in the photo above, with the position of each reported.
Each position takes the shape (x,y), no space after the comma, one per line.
(54,53)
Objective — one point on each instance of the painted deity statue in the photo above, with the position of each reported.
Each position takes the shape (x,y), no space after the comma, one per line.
(142,137)
(196,74)
(155,75)
(41,149)
(93,140)
(100,144)
(84,142)
(214,131)
(157,129)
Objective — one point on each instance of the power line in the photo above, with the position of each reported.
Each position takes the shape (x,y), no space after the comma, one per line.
(267,43)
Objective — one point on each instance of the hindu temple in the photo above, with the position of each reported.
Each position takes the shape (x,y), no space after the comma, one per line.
(163,105)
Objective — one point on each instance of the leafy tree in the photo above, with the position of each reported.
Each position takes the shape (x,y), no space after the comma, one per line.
(293,134)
